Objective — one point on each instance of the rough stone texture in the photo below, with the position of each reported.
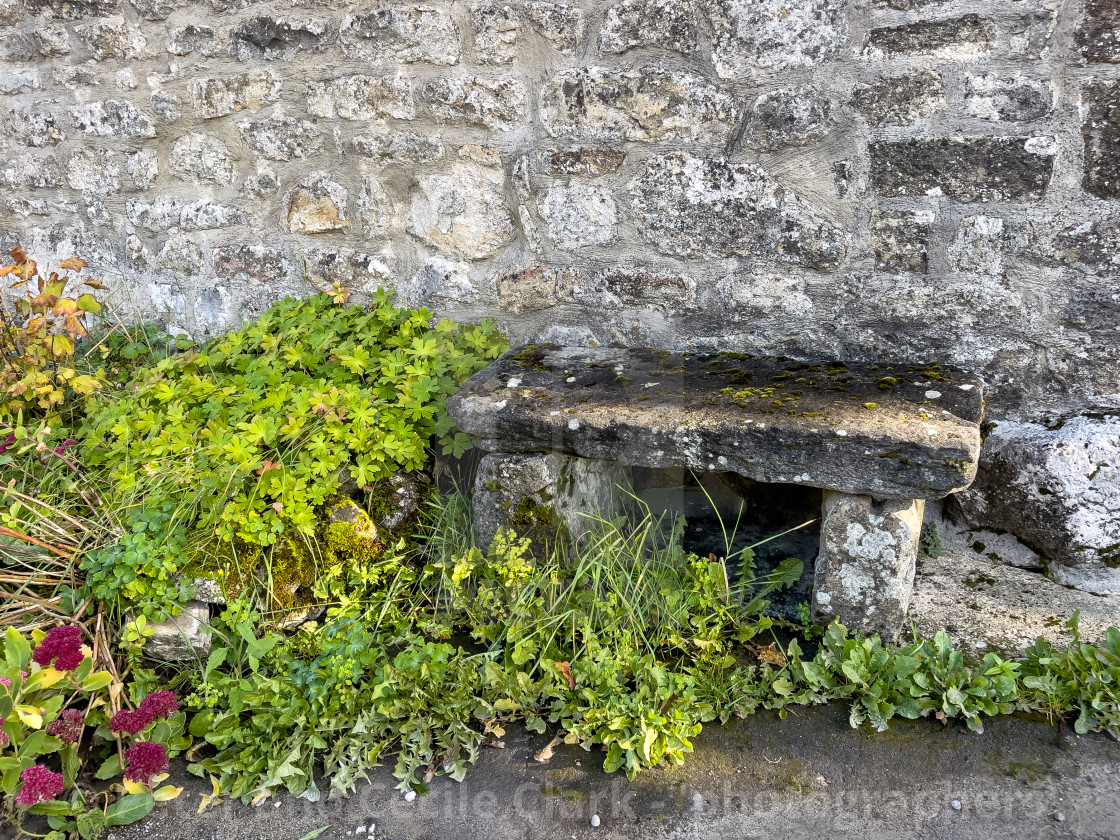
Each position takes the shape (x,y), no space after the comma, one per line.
(317,205)
(643,104)
(184,40)
(533,288)
(463,211)
(181,638)
(402,33)
(497,102)
(788,117)
(1095,245)
(1100,129)
(495,33)
(93,171)
(1099,33)
(775,35)
(112,118)
(1058,491)
(399,147)
(570,488)
(864,572)
(561,24)
(280,137)
(217,97)
(889,432)
(201,158)
(960,39)
(362,98)
(670,24)
(990,607)
(901,240)
(578,215)
(690,206)
(268,37)
(979,245)
(113,38)
(586,161)
(1014,99)
(900,100)
(982,169)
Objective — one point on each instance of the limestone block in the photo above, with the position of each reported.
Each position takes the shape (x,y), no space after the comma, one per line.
(900,239)
(1100,130)
(539,493)
(776,34)
(112,118)
(393,33)
(218,97)
(534,288)
(462,210)
(1099,33)
(979,245)
(281,137)
(359,97)
(1058,491)
(267,37)
(648,103)
(495,32)
(691,206)
(865,569)
(900,99)
(183,637)
(974,169)
(577,215)
(201,158)
(787,117)
(961,39)
(669,24)
(560,24)
(93,171)
(491,102)
(1011,98)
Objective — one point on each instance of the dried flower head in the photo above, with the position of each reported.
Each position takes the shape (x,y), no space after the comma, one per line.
(62,646)
(39,785)
(67,727)
(145,759)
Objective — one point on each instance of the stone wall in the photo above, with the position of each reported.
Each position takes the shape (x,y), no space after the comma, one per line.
(873,179)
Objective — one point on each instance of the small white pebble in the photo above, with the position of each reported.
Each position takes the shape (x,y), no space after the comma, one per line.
(410,796)
(697,802)
(932,395)
(554,413)
(956,803)
(360,830)
(965,387)
(570,379)
(513,383)
(276,804)
(841,432)
(573,424)
(1059,816)
(651,384)
(594,820)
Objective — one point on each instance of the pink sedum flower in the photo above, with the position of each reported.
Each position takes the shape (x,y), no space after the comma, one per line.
(160,704)
(39,785)
(67,727)
(129,722)
(3,736)
(145,759)
(61,646)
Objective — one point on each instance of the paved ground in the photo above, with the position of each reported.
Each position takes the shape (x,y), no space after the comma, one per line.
(809,776)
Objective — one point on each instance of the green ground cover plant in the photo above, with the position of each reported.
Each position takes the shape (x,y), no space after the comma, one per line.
(234,459)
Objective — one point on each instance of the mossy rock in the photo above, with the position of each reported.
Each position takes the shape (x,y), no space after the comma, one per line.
(351,533)
(541,525)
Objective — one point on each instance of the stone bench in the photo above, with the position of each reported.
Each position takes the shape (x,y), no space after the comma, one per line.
(562,424)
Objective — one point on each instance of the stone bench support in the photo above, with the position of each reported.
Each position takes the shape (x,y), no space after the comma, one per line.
(864,572)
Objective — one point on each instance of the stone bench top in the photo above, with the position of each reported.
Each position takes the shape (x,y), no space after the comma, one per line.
(889,431)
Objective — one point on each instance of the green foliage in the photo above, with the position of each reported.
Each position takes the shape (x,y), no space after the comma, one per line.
(929,543)
(32,698)
(256,428)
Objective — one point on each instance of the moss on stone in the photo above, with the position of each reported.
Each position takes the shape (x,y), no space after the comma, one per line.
(541,525)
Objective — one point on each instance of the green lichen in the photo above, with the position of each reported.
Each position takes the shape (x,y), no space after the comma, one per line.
(541,525)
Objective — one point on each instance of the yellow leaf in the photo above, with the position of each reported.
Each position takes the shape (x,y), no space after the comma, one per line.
(43,679)
(30,716)
(166,793)
(210,800)
(133,786)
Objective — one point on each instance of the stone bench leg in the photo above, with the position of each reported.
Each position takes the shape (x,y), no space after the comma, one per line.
(865,570)
(545,494)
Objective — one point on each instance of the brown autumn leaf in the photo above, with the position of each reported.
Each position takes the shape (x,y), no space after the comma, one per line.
(73,264)
(566,669)
(74,325)
(18,257)
(96,284)
(65,306)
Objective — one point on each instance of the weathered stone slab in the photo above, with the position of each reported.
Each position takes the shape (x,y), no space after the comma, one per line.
(1099,33)
(1058,491)
(544,497)
(1101,133)
(181,638)
(890,431)
(395,33)
(670,24)
(787,117)
(979,169)
(900,240)
(864,572)
(1012,98)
